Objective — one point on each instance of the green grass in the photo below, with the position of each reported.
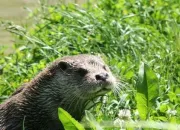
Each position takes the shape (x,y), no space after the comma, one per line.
(140,40)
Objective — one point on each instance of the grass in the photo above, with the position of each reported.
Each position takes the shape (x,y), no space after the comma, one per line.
(140,40)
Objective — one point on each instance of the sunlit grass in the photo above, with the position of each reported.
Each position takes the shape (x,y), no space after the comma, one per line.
(127,34)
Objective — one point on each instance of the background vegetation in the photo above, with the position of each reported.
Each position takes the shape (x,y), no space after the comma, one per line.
(140,40)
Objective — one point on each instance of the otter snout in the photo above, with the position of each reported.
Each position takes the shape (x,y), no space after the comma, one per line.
(101,77)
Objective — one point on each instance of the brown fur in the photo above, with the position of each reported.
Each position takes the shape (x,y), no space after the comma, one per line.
(69,83)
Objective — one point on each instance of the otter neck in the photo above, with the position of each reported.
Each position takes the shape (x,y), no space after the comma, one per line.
(74,106)
(47,97)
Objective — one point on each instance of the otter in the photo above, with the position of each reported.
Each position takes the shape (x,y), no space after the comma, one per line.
(69,82)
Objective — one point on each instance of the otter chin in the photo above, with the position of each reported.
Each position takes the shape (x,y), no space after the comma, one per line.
(69,82)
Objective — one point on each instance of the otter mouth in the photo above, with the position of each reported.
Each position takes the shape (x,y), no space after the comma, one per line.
(102,91)
(100,88)
(104,88)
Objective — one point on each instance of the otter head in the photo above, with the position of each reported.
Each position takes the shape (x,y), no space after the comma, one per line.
(83,76)
(71,83)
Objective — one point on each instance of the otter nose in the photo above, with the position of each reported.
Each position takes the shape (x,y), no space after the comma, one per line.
(102,76)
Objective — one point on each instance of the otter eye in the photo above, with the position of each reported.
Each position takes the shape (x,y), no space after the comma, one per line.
(104,67)
(82,72)
(63,65)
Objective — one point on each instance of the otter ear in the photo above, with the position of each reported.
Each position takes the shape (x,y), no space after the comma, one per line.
(63,65)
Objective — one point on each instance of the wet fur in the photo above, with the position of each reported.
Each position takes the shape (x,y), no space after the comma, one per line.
(34,106)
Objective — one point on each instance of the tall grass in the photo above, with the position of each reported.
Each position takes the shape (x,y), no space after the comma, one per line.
(126,33)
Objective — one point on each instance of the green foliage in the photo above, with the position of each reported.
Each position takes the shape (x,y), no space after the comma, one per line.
(147,91)
(93,124)
(68,122)
(125,33)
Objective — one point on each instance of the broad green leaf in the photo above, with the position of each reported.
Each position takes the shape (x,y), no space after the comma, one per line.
(68,122)
(147,90)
